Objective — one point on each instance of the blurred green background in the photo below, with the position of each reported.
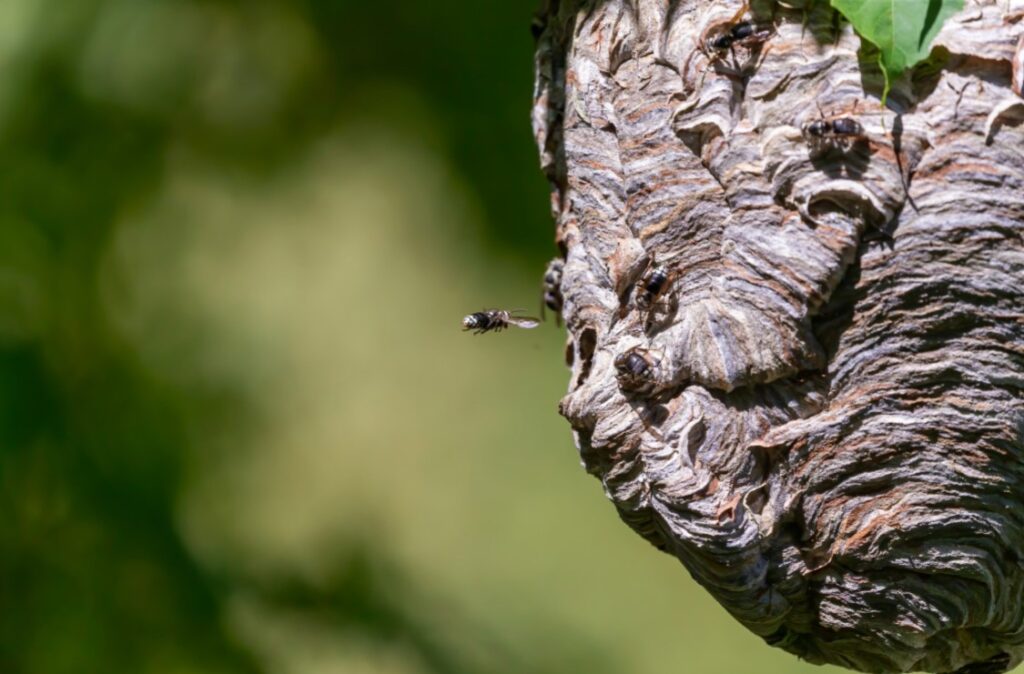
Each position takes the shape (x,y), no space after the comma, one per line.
(240,429)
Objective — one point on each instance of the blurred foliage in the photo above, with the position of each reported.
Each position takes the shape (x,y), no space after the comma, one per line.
(239,428)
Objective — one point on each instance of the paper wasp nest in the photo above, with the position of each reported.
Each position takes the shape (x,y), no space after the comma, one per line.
(831,436)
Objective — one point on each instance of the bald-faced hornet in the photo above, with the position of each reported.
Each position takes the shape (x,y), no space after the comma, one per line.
(720,38)
(552,293)
(718,43)
(832,132)
(496,320)
(747,34)
(651,286)
(650,289)
(743,34)
(635,369)
(537,26)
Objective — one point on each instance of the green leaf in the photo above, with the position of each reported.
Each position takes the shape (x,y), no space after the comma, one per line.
(902,30)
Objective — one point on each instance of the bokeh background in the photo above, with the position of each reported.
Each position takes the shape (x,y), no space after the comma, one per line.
(240,429)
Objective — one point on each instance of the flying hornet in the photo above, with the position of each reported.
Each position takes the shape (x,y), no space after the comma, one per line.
(496,320)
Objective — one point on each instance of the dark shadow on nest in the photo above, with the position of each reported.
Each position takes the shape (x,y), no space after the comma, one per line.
(657,319)
(879,237)
(838,162)
(651,412)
